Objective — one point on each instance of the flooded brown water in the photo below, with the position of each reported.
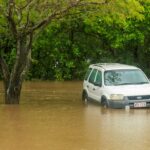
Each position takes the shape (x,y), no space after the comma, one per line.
(51,116)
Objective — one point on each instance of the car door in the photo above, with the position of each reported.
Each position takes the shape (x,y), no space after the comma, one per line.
(90,85)
(97,87)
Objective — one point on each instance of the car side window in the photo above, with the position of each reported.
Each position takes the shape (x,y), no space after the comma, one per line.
(92,76)
(98,80)
(87,73)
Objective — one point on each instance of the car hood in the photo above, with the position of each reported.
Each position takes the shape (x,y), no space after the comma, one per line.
(130,90)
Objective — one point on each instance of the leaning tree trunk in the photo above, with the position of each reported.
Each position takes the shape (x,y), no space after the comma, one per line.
(12,83)
(12,94)
(13,88)
(13,80)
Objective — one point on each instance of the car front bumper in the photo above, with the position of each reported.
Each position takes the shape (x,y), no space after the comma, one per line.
(130,103)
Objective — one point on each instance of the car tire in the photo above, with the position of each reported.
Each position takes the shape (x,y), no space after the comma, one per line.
(104,102)
(84,96)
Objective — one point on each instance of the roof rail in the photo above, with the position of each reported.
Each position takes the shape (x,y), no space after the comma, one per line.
(105,64)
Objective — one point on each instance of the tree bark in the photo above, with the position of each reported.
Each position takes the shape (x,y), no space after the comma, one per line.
(13,82)
(12,95)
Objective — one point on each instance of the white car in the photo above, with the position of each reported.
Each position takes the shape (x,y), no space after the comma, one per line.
(116,85)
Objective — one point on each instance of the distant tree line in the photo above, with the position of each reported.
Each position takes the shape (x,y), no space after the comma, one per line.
(65,48)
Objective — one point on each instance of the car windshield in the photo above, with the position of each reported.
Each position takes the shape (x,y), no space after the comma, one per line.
(124,77)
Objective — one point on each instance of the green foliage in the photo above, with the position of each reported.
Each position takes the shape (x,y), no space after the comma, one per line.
(117,31)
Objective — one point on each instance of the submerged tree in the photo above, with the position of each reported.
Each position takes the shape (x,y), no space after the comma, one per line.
(22,20)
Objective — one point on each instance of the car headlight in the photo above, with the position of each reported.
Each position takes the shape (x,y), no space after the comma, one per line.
(116,97)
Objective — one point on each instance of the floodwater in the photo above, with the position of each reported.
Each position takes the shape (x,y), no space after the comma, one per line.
(51,116)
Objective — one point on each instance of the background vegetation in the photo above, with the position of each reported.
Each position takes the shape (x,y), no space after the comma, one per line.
(66,47)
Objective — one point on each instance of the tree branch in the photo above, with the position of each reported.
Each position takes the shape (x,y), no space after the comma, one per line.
(10,17)
(54,15)
(4,68)
(19,14)
(99,3)
(27,19)
(27,4)
(29,42)
(59,13)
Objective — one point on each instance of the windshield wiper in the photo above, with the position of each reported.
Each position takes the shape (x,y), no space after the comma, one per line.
(131,83)
(141,83)
(123,84)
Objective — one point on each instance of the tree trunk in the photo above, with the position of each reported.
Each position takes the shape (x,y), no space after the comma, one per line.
(12,94)
(13,81)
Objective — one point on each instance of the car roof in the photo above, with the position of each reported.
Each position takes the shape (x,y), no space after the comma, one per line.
(113,66)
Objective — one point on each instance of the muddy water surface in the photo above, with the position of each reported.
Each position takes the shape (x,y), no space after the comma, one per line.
(51,116)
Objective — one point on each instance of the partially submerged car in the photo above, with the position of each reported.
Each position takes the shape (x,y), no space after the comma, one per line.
(116,85)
